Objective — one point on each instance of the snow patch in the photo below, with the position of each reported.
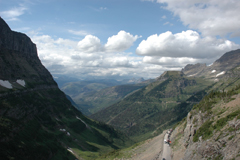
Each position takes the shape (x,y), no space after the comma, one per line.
(63,130)
(219,74)
(192,75)
(213,71)
(6,84)
(70,150)
(83,122)
(21,82)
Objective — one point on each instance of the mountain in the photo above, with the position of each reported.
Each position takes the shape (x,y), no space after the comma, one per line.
(19,60)
(215,71)
(133,81)
(93,95)
(37,121)
(164,102)
(91,102)
(151,109)
(211,129)
(62,79)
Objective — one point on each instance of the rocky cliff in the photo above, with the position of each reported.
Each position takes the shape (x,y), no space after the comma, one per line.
(16,41)
(212,129)
(19,59)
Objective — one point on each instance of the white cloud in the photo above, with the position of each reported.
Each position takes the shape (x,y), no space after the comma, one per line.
(185,44)
(90,44)
(103,8)
(167,23)
(120,42)
(210,17)
(79,33)
(13,13)
(169,61)
(88,58)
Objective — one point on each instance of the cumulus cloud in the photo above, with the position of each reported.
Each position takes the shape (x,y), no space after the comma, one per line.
(120,42)
(210,17)
(90,44)
(169,61)
(89,57)
(185,44)
(13,13)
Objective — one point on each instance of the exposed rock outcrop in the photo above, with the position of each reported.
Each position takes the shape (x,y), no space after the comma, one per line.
(218,136)
(19,58)
(193,69)
(16,41)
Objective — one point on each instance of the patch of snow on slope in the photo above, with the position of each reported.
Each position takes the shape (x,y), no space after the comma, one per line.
(21,82)
(213,71)
(192,75)
(6,84)
(219,74)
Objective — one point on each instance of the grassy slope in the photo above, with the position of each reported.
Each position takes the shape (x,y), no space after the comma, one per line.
(30,129)
(155,107)
(97,100)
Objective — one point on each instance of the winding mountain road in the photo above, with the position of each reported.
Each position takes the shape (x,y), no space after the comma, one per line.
(166,155)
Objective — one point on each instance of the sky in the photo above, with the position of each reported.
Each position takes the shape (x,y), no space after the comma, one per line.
(125,38)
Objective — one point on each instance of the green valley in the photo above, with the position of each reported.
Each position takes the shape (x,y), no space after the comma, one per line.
(155,107)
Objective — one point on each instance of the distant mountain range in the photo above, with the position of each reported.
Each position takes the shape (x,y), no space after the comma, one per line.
(92,96)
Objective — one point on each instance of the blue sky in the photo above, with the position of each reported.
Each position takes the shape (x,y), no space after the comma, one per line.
(125,38)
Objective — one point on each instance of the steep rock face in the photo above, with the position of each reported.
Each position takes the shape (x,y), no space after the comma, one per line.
(16,41)
(211,130)
(192,70)
(19,59)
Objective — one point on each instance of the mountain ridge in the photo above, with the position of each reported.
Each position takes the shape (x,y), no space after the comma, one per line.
(214,72)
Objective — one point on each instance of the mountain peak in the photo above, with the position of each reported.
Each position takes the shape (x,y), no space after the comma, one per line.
(4,25)
(168,74)
(229,56)
(16,41)
(19,59)
(226,62)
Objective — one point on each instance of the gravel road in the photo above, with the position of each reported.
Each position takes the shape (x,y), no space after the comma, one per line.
(166,149)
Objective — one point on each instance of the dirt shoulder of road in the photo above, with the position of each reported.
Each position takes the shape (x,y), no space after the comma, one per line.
(150,149)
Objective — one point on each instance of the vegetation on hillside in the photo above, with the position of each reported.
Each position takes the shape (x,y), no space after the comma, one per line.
(43,125)
(153,108)
(209,102)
